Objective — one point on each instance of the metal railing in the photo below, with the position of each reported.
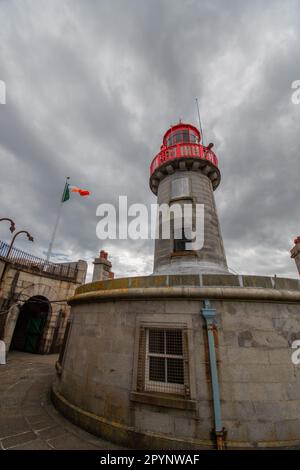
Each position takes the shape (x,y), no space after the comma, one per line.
(40,265)
(183,149)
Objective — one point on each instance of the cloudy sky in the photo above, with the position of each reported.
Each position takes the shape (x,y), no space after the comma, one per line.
(92,85)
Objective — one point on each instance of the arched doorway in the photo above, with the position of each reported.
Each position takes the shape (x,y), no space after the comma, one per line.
(30,324)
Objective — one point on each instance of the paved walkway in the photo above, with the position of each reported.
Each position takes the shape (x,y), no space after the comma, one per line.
(28,419)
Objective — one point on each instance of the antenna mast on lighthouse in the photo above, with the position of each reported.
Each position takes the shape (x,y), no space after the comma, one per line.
(200,125)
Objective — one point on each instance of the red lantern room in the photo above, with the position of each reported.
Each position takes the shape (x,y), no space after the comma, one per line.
(181,149)
(181,133)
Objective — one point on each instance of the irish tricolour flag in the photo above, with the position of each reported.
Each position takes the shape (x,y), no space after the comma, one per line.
(65,197)
(73,189)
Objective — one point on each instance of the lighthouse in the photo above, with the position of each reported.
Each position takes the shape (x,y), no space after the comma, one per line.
(186,173)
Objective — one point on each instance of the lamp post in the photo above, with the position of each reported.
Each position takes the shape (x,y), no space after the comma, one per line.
(12,224)
(30,238)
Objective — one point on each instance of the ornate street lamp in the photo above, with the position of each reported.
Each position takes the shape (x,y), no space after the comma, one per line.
(12,224)
(30,238)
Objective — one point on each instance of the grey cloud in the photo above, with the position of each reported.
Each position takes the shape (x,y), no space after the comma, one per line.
(92,87)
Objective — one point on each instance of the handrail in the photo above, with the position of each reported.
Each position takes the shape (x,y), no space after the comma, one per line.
(46,267)
(183,150)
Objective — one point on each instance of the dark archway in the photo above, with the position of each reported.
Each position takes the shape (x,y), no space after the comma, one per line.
(30,324)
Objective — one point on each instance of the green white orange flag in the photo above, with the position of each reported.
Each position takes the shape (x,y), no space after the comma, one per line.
(73,189)
(65,197)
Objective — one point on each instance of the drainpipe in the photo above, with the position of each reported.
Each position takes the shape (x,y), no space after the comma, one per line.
(209,315)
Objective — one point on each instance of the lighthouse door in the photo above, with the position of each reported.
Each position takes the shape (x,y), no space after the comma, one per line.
(30,324)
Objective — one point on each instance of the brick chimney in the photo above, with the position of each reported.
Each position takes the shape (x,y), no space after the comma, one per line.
(102,268)
(295,253)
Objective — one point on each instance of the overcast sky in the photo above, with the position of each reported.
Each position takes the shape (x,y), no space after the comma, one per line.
(92,85)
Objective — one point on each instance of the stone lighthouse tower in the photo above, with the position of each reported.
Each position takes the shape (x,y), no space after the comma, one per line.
(186,173)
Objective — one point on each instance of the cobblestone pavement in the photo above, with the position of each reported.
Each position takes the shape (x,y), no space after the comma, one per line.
(28,419)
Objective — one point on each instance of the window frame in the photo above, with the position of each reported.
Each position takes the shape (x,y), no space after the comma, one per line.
(179,321)
(153,385)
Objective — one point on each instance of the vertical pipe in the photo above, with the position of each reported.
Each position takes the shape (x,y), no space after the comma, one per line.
(209,315)
(63,199)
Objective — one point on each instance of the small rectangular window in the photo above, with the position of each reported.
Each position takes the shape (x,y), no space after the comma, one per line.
(180,188)
(164,361)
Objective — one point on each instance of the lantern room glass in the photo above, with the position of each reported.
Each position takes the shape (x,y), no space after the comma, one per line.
(182,136)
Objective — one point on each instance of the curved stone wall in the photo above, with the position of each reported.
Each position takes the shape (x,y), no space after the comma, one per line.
(258,319)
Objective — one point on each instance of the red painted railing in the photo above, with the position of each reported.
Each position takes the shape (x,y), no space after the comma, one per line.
(183,150)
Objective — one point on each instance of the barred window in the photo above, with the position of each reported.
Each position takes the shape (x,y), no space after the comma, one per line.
(164,361)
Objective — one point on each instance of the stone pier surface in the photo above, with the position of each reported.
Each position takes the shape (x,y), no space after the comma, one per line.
(28,420)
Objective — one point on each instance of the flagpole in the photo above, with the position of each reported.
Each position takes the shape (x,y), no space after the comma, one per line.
(49,252)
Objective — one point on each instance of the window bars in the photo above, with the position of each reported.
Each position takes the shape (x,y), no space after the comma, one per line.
(165,361)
